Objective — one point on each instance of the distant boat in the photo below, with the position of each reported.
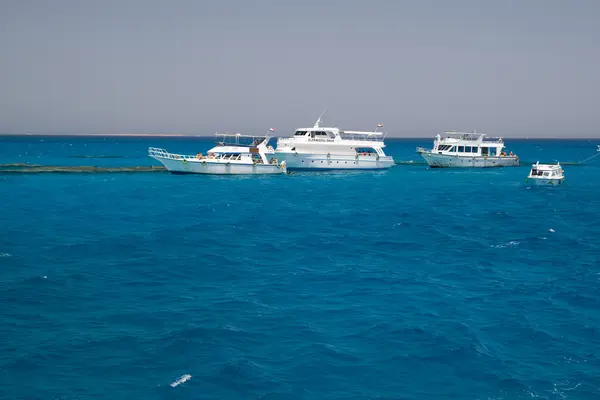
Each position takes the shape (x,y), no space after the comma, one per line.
(234,154)
(546,174)
(460,149)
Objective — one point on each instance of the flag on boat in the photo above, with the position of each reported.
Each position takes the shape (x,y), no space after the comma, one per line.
(380,125)
(272,129)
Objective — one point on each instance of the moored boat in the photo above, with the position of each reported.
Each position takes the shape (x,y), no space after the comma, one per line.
(460,149)
(330,148)
(234,154)
(546,174)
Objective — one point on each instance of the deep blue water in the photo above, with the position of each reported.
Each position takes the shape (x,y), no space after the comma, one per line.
(404,284)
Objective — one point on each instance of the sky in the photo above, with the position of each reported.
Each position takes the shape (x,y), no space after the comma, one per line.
(512,68)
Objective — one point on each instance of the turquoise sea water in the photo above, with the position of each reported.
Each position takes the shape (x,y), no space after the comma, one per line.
(410,283)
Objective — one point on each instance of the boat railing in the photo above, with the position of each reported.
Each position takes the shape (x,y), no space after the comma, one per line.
(492,139)
(360,137)
(162,153)
(343,138)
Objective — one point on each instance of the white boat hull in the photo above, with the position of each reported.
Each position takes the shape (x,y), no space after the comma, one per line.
(546,181)
(452,161)
(216,167)
(299,161)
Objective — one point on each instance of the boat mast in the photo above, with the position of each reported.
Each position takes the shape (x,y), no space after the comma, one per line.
(319,119)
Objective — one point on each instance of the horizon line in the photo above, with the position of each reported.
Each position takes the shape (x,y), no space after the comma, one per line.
(181,135)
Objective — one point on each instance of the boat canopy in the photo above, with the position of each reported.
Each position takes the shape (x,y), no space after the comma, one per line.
(238,139)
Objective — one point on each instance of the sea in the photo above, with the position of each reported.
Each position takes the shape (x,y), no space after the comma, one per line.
(410,283)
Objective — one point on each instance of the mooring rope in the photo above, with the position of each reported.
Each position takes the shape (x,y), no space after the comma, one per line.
(589,158)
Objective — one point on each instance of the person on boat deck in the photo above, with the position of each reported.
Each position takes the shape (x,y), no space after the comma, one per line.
(511,153)
(503,153)
(199,156)
(211,155)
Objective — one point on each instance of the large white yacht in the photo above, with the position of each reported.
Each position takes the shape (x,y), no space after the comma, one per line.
(234,154)
(329,148)
(460,149)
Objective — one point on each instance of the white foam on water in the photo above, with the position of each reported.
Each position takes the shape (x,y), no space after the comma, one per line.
(512,243)
(181,379)
(551,230)
(5,255)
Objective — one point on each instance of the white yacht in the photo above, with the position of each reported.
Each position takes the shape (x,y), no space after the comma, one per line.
(546,174)
(330,148)
(460,149)
(234,154)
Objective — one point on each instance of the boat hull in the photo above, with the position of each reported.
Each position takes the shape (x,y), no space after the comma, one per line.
(451,161)
(546,181)
(316,162)
(209,167)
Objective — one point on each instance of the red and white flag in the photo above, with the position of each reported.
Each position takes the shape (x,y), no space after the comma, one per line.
(380,125)
(272,129)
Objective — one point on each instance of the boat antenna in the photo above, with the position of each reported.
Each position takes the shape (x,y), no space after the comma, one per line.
(319,119)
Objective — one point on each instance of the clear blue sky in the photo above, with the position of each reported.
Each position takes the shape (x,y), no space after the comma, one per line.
(505,67)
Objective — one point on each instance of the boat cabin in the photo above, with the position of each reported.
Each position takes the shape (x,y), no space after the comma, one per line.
(469,145)
(546,171)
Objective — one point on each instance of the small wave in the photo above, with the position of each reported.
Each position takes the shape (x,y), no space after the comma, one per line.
(181,379)
(512,243)
(34,168)
(85,156)
(5,255)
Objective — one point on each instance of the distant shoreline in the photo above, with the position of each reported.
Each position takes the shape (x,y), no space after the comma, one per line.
(175,135)
(101,134)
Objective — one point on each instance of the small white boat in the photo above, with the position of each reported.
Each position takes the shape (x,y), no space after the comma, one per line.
(234,154)
(469,150)
(546,174)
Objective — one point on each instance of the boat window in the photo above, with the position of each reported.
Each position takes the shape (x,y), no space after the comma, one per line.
(300,133)
(484,151)
(461,149)
(453,149)
(314,134)
(366,151)
(467,149)
(474,149)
